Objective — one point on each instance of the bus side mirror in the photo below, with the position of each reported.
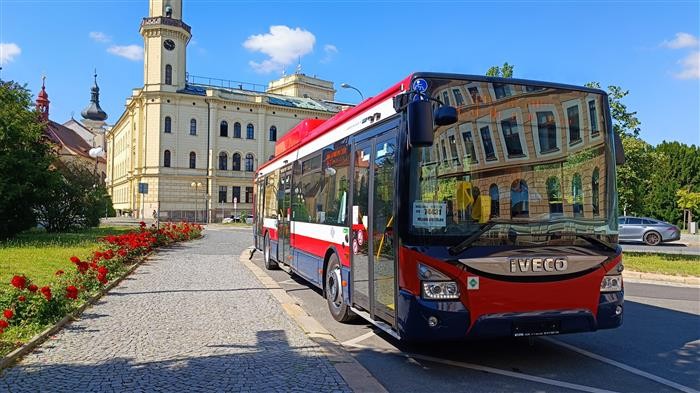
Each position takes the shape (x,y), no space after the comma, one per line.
(445,115)
(619,150)
(420,123)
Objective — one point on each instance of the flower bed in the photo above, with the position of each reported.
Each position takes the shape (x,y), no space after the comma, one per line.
(34,305)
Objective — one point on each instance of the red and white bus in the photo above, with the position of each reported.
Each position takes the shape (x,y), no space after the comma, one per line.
(453,206)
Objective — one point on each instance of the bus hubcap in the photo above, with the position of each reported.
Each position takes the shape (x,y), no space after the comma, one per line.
(334,290)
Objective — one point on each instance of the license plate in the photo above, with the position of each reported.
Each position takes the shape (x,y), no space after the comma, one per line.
(539,328)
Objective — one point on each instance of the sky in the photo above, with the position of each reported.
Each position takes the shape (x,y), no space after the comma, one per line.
(647,47)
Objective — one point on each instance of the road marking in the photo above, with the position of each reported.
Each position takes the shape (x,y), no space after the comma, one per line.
(358,339)
(491,370)
(623,366)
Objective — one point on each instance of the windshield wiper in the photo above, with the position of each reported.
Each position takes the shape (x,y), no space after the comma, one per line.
(464,244)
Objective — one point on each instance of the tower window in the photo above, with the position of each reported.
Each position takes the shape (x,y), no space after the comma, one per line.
(168,126)
(193,127)
(168,74)
(273,134)
(166,158)
(193,160)
(168,11)
(223,128)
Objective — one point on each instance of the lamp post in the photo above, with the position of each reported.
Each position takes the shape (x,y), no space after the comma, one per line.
(196,185)
(347,86)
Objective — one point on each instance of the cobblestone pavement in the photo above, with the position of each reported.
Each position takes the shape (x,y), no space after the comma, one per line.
(190,319)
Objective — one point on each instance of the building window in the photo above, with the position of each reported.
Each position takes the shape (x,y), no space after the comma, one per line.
(446,98)
(495,201)
(168,125)
(512,137)
(168,74)
(223,161)
(249,195)
(273,134)
(501,90)
(574,124)
(222,194)
(519,199)
(236,130)
(193,160)
(547,132)
(593,113)
(577,194)
(236,194)
(595,188)
(236,165)
(469,146)
(474,93)
(554,196)
(166,158)
(453,150)
(487,142)
(249,162)
(193,127)
(459,99)
(250,132)
(444,151)
(223,128)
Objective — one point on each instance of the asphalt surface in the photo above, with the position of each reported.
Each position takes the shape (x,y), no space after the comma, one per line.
(656,350)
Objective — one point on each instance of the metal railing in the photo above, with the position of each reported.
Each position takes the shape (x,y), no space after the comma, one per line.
(162,20)
(225,83)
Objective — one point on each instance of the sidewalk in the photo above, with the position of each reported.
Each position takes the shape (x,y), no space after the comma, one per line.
(192,318)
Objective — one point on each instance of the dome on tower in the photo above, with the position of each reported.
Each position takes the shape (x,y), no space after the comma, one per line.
(93,110)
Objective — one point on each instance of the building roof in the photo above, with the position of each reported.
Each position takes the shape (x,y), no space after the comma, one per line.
(69,139)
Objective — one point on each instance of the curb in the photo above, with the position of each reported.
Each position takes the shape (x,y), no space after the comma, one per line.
(655,278)
(9,359)
(358,378)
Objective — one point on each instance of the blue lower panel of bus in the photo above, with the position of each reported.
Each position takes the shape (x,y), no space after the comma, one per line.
(307,266)
(453,320)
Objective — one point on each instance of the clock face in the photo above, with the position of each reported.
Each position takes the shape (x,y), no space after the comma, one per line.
(169,44)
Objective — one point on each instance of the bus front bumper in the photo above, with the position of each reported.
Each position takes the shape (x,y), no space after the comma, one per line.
(453,320)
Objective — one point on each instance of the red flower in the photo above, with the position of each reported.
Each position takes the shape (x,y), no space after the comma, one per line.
(46,291)
(102,270)
(72,292)
(21,298)
(59,272)
(109,254)
(19,282)
(3,324)
(142,224)
(8,314)
(74,259)
(121,252)
(82,267)
(102,278)
(2,331)
(32,288)
(97,255)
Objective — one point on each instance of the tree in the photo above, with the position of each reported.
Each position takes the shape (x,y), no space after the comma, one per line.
(504,72)
(24,159)
(689,202)
(677,166)
(624,122)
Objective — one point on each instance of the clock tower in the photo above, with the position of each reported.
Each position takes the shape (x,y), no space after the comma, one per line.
(165,38)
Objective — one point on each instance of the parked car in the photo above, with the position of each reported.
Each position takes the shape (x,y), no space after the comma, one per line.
(647,230)
(249,219)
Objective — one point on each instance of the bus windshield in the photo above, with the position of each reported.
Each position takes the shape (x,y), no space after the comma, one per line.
(534,159)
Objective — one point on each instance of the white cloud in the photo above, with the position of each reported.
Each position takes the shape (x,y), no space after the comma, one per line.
(99,36)
(682,40)
(131,52)
(282,44)
(330,51)
(8,52)
(691,66)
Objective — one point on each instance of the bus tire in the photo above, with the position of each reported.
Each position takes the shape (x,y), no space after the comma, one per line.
(269,263)
(334,292)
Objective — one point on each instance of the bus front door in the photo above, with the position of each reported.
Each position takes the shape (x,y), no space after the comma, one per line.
(373,262)
(284,205)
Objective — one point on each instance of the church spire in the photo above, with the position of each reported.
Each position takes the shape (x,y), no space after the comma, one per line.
(42,101)
(93,110)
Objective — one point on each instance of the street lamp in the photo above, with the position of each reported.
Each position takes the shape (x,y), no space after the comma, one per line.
(196,185)
(347,86)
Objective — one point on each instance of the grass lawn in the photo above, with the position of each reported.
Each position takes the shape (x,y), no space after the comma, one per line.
(677,265)
(38,254)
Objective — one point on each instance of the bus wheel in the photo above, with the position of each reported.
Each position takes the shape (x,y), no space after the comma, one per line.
(269,263)
(334,292)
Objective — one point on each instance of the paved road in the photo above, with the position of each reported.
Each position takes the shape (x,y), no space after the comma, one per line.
(656,350)
(191,319)
(687,245)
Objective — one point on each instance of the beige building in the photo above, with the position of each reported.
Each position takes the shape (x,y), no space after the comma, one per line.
(195,141)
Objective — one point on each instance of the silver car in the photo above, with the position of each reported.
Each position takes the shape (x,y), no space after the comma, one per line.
(647,230)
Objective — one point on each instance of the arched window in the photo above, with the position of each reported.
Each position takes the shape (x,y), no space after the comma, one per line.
(223,161)
(249,162)
(236,165)
(554,196)
(168,74)
(193,127)
(250,132)
(495,201)
(223,128)
(168,125)
(273,134)
(595,189)
(193,160)
(236,130)
(166,158)
(577,195)
(519,199)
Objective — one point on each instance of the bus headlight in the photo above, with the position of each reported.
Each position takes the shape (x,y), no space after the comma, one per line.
(440,290)
(611,283)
